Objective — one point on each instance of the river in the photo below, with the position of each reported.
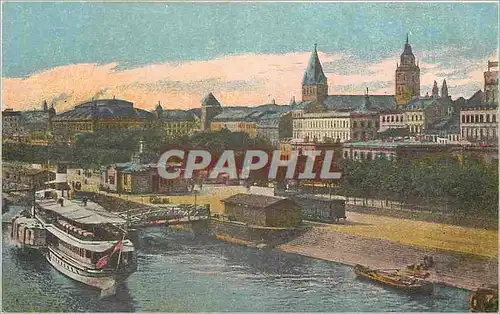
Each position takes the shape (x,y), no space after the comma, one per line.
(184,273)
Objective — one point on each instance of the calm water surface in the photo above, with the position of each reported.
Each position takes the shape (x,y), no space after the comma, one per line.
(182,273)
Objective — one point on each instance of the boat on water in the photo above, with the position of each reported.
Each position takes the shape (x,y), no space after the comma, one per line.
(85,242)
(27,234)
(395,279)
(484,299)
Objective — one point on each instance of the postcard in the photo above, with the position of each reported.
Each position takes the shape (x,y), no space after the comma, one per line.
(250,156)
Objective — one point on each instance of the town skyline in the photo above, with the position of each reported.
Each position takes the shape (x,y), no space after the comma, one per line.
(241,71)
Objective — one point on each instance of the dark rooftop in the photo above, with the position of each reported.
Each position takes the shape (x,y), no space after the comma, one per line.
(104,108)
(314,72)
(353,102)
(260,201)
(178,115)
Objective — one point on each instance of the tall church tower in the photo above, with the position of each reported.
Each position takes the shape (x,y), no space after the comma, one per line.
(314,82)
(407,77)
(210,107)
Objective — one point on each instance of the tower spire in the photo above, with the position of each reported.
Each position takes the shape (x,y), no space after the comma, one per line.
(435,90)
(444,89)
(407,38)
(314,81)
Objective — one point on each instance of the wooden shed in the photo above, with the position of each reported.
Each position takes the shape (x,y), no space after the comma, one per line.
(262,210)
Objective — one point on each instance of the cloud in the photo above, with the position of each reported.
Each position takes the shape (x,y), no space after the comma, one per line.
(249,79)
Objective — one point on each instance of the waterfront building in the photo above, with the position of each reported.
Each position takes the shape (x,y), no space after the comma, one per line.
(478,114)
(421,112)
(101,114)
(313,123)
(392,119)
(478,120)
(275,126)
(408,149)
(176,122)
(372,149)
(24,175)
(140,176)
(407,76)
(32,126)
(237,120)
(444,131)
(262,210)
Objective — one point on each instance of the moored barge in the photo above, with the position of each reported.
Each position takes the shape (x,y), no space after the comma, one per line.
(394,279)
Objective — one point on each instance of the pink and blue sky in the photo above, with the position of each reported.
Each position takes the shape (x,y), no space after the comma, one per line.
(245,53)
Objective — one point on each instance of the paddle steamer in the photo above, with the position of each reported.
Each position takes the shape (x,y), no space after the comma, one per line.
(85,242)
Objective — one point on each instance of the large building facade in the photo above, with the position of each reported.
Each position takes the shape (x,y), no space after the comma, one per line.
(176,122)
(407,76)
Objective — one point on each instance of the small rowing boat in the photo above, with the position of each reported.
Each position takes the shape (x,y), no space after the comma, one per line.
(395,279)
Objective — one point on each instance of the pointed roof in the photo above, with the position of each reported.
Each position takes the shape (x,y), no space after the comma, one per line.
(158,106)
(314,71)
(210,101)
(444,89)
(435,89)
(407,50)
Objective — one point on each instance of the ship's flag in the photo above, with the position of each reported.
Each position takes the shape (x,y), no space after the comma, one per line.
(105,259)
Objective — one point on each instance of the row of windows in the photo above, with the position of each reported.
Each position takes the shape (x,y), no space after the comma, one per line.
(416,117)
(395,118)
(68,267)
(180,125)
(366,155)
(416,128)
(322,124)
(480,133)
(75,126)
(309,90)
(78,251)
(329,134)
(479,118)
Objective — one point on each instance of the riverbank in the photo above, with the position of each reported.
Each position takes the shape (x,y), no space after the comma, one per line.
(451,268)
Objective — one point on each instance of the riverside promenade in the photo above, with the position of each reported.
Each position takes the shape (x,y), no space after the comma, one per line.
(453,268)
(465,257)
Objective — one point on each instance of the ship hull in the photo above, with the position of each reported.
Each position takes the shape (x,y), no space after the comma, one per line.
(103,282)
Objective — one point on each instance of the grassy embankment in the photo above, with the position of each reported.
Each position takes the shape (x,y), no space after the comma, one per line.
(422,234)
